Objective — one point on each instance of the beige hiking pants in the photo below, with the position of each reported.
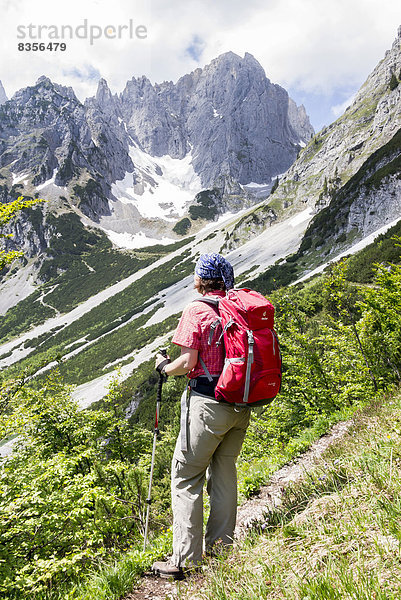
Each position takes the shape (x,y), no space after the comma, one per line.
(215,432)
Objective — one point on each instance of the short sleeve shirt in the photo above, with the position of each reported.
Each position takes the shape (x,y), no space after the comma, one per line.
(193,332)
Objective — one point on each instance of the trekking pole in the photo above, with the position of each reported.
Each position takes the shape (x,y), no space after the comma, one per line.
(162,379)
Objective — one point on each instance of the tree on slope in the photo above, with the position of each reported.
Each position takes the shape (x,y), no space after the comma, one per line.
(7,213)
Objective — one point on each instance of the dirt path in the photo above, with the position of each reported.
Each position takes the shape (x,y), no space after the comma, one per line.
(154,588)
(251,512)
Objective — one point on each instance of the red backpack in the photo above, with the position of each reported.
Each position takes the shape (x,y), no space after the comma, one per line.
(252,366)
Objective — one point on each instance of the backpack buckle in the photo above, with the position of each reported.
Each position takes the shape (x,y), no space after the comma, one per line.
(227,326)
(213,328)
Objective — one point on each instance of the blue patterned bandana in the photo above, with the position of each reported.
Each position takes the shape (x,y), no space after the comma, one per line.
(215,266)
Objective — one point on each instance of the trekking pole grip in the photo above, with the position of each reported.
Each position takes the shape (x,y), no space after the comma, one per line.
(159,387)
(162,377)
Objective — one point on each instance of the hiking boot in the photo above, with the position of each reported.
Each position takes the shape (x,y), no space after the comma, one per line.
(167,569)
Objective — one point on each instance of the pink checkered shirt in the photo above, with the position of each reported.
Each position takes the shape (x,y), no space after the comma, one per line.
(193,332)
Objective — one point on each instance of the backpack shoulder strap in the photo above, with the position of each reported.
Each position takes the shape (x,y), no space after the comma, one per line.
(209,300)
(204,367)
(215,303)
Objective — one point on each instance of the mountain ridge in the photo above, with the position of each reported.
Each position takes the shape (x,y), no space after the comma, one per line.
(368,123)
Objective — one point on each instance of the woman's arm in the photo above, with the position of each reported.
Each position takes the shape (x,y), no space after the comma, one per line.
(181,365)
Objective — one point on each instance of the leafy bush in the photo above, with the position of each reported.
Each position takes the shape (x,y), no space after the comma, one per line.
(73,491)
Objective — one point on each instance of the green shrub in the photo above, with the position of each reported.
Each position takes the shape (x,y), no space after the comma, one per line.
(206,206)
(182,227)
(393,82)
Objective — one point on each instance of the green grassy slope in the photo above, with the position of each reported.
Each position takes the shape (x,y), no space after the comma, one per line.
(78,264)
(113,321)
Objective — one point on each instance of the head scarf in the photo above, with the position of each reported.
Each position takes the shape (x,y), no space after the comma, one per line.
(215,266)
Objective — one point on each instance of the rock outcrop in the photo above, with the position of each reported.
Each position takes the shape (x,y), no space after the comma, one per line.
(370,200)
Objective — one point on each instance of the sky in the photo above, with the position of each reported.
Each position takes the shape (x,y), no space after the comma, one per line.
(320,51)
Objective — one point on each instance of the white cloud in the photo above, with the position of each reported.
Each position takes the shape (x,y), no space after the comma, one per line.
(338,109)
(115,59)
(316,46)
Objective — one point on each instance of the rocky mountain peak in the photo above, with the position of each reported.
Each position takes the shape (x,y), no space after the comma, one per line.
(236,121)
(103,93)
(3,95)
(137,83)
(397,41)
(104,100)
(45,90)
(251,62)
(231,64)
(43,79)
(233,93)
(226,58)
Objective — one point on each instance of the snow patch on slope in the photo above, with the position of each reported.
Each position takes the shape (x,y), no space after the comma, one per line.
(160,187)
(48,182)
(95,390)
(17,178)
(216,114)
(301,217)
(135,240)
(16,288)
(252,184)
(76,313)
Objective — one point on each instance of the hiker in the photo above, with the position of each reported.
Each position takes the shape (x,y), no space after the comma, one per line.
(212,432)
